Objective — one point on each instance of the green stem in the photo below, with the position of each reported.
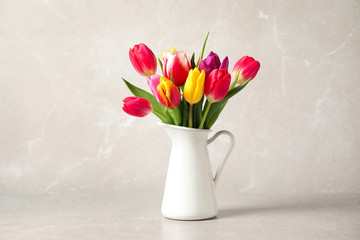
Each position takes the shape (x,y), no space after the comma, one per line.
(234,82)
(191,116)
(205,114)
(232,85)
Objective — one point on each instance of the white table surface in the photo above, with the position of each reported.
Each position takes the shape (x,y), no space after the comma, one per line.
(137,216)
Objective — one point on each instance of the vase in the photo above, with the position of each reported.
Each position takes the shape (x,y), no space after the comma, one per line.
(189,192)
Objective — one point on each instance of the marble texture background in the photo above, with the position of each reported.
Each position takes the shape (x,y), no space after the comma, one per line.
(63,130)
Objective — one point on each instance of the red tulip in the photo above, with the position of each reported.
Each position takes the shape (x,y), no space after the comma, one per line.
(143,59)
(178,64)
(168,94)
(247,68)
(137,107)
(217,85)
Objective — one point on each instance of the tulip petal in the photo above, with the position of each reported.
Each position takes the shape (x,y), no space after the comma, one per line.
(213,61)
(251,70)
(204,66)
(153,81)
(224,63)
(199,91)
(134,61)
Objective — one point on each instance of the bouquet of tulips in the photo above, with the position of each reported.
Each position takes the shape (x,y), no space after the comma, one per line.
(188,94)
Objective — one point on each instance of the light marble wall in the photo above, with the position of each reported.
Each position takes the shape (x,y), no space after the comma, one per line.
(63,130)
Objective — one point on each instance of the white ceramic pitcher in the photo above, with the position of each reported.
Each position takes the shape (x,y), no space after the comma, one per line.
(190,186)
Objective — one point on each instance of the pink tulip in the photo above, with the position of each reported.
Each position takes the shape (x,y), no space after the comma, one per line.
(143,59)
(178,64)
(169,95)
(247,68)
(137,107)
(153,81)
(217,85)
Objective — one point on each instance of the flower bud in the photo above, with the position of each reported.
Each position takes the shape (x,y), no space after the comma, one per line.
(176,64)
(217,85)
(194,86)
(136,106)
(143,59)
(168,94)
(247,68)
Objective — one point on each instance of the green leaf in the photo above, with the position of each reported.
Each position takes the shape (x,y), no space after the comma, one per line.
(216,108)
(175,115)
(159,110)
(161,65)
(212,119)
(192,61)
(169,118)
(234,91)
(202,50)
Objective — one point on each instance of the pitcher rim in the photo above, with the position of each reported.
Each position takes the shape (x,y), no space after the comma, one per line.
(184,128)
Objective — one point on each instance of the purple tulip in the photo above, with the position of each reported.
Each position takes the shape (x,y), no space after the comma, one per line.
(212,62)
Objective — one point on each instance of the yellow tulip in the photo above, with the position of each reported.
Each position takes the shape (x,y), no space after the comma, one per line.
(194,86)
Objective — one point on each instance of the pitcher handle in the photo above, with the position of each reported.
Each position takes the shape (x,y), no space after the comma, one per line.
(227,154)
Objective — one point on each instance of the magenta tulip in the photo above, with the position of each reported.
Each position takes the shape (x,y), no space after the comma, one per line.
(136,106)
(247,67)
(143,59)
(153,81)
(217,85)
(176,64)
(212,62)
